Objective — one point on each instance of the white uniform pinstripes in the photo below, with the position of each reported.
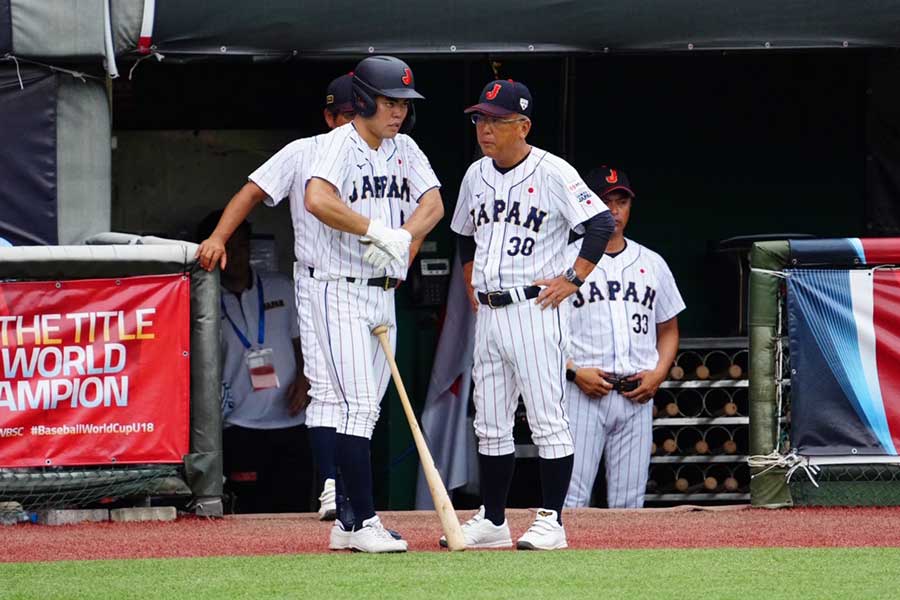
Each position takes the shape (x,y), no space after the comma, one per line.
(324,409)
(284,175)
(384,184)
(344,315)
(520,221)
(613,328)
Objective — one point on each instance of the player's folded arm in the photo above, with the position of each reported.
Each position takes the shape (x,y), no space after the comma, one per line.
(323,202)
(429,210)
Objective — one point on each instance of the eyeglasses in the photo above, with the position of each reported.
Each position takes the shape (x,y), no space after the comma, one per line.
(484,120)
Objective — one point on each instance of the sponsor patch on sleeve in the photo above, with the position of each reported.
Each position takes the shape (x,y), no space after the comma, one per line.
(574,186)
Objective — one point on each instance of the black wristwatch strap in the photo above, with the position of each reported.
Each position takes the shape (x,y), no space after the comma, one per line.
(570,374)
(572,277)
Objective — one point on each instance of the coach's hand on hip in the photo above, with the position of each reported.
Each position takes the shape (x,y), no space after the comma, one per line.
(555,291)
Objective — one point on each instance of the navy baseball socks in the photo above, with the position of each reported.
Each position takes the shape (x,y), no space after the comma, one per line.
(322,441)
(488,528)
(367,534)
(546,532)
(496,477)
(355,463)
(556,473)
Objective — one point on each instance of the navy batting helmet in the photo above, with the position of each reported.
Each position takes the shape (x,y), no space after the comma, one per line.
(384,76)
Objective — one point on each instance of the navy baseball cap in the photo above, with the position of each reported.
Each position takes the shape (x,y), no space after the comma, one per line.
(339,96)
(503,97)
(603,180)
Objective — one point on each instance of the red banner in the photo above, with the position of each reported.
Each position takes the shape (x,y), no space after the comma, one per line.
(94,371)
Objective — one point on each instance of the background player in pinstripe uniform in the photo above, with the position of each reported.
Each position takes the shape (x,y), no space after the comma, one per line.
(375,191)
(515,209)
(284,175)
(624,337)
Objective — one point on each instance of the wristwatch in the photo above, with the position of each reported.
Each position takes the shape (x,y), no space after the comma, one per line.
(570,374)
(572,277)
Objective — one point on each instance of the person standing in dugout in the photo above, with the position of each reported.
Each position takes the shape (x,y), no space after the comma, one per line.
(284,176)
(263,388)
(624,337)
(375,192)
(516,207)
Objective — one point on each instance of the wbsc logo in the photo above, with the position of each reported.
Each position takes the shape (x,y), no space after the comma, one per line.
(6,432)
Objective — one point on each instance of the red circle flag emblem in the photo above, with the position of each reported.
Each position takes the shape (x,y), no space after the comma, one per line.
(407,76)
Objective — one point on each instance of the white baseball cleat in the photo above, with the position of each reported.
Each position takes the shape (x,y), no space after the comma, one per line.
(340,537)
(544,534)
(373,537)
(327,504)
(479,532)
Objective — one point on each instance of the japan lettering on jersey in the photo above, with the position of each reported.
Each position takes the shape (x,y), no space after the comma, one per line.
(284,176)
(614,314)
(384,184)
(521,219)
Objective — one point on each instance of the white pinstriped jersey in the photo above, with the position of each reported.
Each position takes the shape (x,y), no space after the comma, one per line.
(521,219)
(284,176)
(614,315)
(384,184)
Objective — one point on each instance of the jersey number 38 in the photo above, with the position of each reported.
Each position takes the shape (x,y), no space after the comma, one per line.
(520,246)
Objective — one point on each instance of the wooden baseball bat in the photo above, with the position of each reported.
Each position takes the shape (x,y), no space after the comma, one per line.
(442,504)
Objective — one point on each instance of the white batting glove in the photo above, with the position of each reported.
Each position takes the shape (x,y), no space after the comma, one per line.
(394,242)
(377,257)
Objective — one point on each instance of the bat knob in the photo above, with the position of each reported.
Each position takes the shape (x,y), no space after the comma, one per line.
(379,330)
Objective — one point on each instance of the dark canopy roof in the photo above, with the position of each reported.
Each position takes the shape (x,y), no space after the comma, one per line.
(455,26)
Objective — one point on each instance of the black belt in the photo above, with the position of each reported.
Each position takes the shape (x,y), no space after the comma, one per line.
(622,383)
(386,283)
(499,299)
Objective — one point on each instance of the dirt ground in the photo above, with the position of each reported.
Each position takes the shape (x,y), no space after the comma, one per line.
(681,527)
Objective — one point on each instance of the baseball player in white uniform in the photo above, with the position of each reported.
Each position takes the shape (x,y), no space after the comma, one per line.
(516,207)
(623,339)
(284,175)
(375,192)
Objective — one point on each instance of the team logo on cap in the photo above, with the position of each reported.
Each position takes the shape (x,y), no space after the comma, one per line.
(613,177)
(407,76)
(493,93)
(523,102)
(329,99)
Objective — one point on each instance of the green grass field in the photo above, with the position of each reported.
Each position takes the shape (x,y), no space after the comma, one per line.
(767,573)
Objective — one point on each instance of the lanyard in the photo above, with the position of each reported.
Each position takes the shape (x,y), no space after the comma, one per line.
(261,334)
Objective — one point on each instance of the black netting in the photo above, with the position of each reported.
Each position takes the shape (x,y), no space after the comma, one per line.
(28,490)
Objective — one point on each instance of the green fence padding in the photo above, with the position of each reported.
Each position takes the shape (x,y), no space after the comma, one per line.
(769,489)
